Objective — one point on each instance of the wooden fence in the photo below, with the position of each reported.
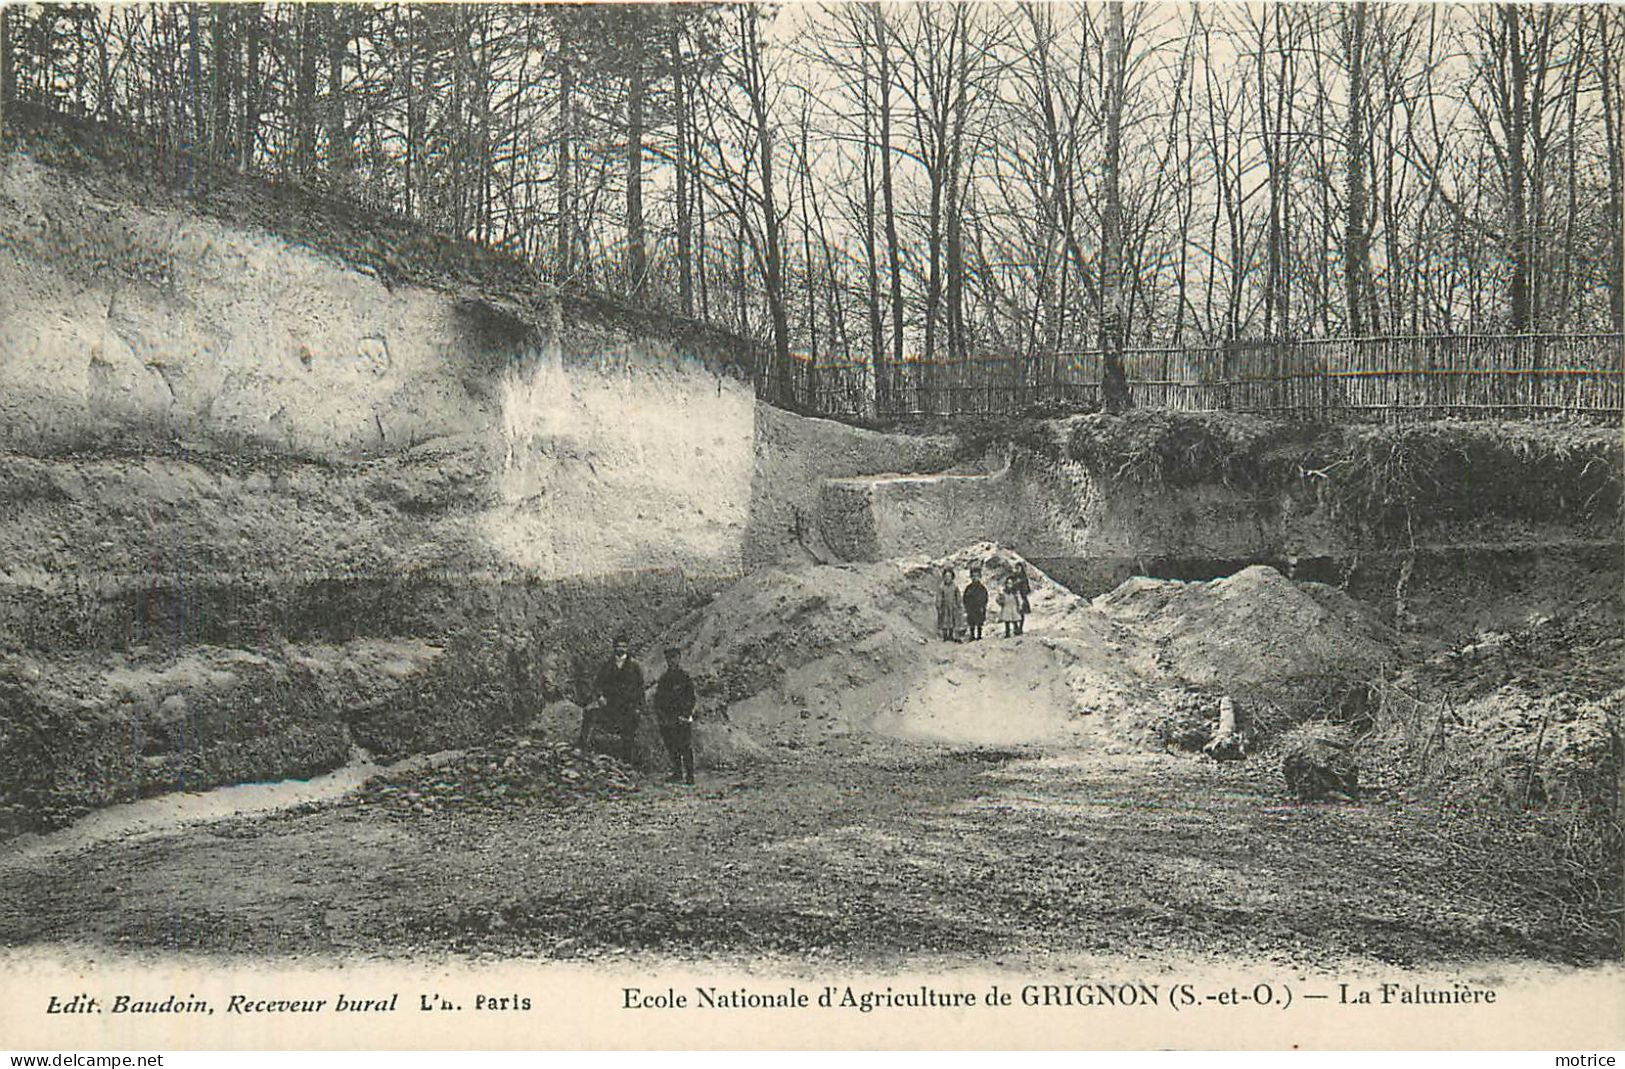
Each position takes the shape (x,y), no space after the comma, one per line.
(1386,378)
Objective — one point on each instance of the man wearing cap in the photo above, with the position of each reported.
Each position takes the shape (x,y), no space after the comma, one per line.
(674,708)
(620,699)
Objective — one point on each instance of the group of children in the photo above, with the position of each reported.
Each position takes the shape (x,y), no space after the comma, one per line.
(960,616)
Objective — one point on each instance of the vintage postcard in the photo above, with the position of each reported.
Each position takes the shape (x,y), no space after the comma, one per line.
(842,525)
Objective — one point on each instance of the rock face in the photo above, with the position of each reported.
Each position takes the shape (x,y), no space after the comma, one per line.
(1051,507)
(877,517)
(76,734)
(192,327)
(219,443)
(795,514)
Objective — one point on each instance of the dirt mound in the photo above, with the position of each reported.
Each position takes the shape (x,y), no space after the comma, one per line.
(876,617)
(1540,749)
(1515,718)
(1036,690)
(1254,628)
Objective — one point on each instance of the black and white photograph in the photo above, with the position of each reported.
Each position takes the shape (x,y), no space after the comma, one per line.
(908,525)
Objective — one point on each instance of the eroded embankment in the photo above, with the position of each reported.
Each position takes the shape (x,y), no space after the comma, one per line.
(1522,514)
(1221,486)
(274,485)
(184,620)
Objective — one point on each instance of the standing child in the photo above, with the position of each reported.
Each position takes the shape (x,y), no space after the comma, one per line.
(950,610)
(975,604)
(1010,607)
(1024,587)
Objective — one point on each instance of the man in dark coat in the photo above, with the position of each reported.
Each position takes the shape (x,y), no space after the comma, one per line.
(975,603)
(620,700)
(674,709)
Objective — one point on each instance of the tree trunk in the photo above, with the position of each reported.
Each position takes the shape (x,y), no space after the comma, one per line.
(1518,236)
(685,206)
(453,187)
(196,138)
(6,75)
(958,344)
(413,128)
(894,255)
(483,80)
(339,157)
(834,306)
(637,266)
(304,100)
(1572,178)
(564,141)
(804,180)
(878,397)
(933,287)
(1114,395)
(1354,229)
(704,240)
(249,130)
(1274,111)
(222,62)
(1610,68)
(781,385)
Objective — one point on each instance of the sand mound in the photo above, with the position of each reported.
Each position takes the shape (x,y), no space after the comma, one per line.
(1255,628)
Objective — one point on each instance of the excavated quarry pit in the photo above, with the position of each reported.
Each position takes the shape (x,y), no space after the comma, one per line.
(263,507)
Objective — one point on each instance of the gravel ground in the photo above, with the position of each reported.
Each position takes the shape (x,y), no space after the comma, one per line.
(867,850)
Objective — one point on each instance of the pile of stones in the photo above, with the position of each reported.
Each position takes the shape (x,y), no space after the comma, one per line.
(508,773)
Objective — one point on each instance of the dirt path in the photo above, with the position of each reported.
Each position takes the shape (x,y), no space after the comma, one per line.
(866,849)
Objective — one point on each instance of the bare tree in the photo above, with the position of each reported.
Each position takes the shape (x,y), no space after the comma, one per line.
(1114,393)
(752,77)
(1356,265)
(6,75)
(1611,29)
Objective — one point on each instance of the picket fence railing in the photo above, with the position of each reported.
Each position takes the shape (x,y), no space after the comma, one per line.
(1388,378)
